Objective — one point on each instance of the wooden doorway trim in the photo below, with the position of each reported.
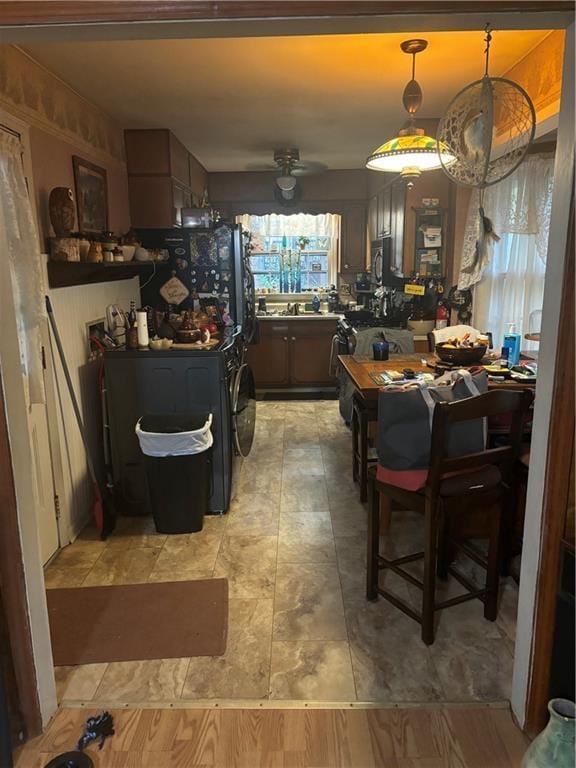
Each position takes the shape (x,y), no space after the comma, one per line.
(14,587)
(556,491)
(47,12)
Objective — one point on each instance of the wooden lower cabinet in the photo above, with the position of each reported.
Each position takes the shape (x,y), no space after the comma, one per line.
(270,357)
(292,354)
(421,346)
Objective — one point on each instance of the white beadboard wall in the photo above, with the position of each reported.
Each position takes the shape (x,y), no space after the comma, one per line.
(73,308)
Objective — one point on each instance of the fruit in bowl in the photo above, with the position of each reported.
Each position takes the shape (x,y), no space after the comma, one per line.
(461,351)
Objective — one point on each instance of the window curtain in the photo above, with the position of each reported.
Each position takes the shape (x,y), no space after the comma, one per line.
(511,287)
(307,224)
(21,260)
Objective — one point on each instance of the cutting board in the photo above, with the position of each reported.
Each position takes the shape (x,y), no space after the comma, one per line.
(208,345)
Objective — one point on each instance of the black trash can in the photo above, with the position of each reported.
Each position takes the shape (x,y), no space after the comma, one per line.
(177,455)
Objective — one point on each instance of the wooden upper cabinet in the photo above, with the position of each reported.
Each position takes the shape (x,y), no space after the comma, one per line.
(387,217)
(157,152)
(397,225)
(179,161)
(163,178)
(353,239)
(152,202)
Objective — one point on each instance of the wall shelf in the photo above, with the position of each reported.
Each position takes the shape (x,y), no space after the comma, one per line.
(66,273)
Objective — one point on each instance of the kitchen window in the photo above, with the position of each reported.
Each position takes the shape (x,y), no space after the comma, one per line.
(291,254)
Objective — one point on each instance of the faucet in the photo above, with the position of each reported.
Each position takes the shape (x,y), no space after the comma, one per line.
(293,309)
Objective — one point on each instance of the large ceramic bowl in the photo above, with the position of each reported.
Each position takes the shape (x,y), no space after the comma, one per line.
(128,252)
(460,355)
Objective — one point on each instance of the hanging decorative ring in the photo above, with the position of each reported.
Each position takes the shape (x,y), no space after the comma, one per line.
(488,127)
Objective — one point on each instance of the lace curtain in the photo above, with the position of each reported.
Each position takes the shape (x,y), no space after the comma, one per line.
(511,287)
(519,205)
(307,224)
(20,256)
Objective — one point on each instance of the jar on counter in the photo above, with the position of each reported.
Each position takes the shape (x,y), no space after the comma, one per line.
(95,253)
(83,247)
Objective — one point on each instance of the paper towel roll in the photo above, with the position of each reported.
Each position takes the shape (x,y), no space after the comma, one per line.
(142,323)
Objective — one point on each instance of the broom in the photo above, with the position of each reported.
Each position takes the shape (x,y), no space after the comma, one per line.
(103,509)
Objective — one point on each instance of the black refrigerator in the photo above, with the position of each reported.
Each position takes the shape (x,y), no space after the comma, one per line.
(213,266)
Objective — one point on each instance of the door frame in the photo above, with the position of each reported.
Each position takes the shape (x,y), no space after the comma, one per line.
(544,516)
(14,593)
(22,128)
(558,477)
(46,21)
(20,559)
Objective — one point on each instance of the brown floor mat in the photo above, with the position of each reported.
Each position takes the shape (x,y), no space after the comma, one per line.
(138,621)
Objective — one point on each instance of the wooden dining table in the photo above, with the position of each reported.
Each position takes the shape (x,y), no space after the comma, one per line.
(365,399)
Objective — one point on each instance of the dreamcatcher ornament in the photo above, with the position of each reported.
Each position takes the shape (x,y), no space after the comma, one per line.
(488,127)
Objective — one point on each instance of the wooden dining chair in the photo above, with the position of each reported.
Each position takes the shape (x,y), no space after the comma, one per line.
(482,480)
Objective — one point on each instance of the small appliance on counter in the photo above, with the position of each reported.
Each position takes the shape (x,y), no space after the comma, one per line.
(382,272)
(196,217)
(333,299)
(363,282)
(262,309)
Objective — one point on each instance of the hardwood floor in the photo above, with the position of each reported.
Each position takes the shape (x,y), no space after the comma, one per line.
(420,737)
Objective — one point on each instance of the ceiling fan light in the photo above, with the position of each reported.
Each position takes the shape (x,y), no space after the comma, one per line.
(288,194)
(286,183)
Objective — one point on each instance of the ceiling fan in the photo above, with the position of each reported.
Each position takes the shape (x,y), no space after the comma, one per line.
(288,165)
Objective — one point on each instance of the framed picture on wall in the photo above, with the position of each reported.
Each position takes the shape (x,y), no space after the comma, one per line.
(91,195)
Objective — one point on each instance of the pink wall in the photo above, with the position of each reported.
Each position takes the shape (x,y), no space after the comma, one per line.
(52,167)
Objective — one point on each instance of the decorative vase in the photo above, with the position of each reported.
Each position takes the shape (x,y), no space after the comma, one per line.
(62,211)
(555,745)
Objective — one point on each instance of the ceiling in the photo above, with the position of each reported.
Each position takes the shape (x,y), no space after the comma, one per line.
(232,101)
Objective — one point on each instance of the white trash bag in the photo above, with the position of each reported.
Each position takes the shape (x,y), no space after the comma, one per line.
(162,444)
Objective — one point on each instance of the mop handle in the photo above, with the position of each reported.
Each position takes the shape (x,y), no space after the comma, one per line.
(70,388)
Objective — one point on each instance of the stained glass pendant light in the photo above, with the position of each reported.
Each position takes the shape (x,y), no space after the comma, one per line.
(411,152)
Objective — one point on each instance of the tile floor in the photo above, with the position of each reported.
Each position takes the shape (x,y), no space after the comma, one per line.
(293,550)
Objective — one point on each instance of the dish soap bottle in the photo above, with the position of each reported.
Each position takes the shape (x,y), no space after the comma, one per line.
(512,343)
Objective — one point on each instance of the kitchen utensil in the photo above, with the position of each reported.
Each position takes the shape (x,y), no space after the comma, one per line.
(103,509)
